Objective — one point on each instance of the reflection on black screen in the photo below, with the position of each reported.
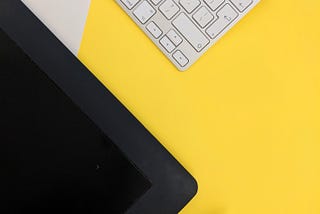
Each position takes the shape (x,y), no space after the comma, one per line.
(52,157)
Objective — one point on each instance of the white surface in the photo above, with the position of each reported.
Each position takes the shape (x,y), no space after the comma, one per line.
(65,18)
(192,22)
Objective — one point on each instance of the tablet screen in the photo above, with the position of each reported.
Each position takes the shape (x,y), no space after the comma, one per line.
(53,158)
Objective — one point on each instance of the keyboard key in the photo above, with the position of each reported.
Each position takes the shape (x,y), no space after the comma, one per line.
(189,31)
(185,29)
(130,3)
(226,16)
(156,2)
(167,44)
(154,30)
(180,58)
(214,4)
(174,37)
(144,12)
(169,9)
(203,17)
(241,5)
(190,5)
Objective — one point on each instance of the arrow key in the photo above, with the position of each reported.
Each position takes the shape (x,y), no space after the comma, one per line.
(180,58)
(167,44)
(174,37)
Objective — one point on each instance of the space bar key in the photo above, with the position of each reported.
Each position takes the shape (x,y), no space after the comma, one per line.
(189,31)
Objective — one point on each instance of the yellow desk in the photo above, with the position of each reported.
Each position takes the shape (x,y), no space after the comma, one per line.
(244,120)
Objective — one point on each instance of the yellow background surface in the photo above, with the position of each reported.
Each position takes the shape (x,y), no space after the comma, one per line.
(244,120)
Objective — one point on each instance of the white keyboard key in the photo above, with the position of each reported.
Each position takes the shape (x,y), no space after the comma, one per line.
(185,29)
(167,44)
(180,58)
(169,9)
(130,3)
(174,37)
(190,5)
(241,5)
(203,17)
(144,12)
(156,2)
(189,31)
(154,30)
(214,4)
(226,16)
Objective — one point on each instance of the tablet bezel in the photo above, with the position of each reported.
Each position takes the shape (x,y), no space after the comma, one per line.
(172,186)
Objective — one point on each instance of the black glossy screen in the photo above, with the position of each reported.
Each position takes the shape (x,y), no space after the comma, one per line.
(53,159)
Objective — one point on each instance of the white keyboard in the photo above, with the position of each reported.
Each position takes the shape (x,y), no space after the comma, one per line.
(185,29)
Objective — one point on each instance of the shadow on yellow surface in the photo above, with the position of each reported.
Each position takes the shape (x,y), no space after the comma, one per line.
(244,120)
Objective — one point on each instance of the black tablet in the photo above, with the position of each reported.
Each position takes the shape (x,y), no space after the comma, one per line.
(66,143)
